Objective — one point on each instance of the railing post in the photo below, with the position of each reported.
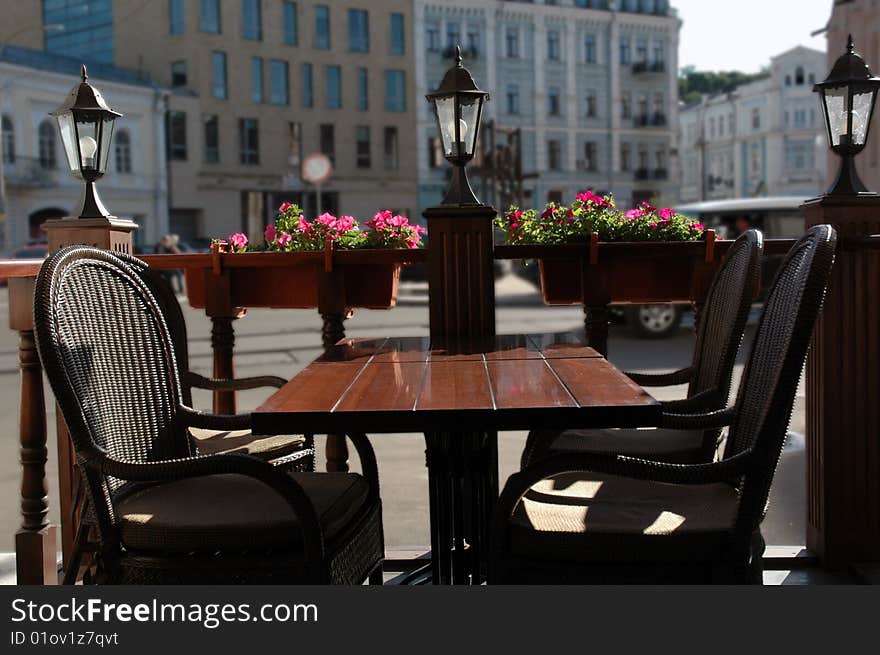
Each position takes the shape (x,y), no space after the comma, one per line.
(36,553)
(843,387)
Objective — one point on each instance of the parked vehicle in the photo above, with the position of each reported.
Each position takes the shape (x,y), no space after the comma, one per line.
(31,250)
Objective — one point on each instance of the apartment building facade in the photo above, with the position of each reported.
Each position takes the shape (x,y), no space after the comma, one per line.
(590,83)
(36,178)
(765,138)
(256,86)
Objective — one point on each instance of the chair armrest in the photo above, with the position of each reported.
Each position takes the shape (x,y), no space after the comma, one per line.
(368,458)
(193,418)
(236,384)
(192,467)
(682,376)
(519,483)
(698,421)
(705,401)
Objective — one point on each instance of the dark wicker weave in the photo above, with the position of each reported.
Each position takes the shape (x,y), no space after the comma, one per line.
(719,334)
(164,513)
(294,452)
(586,517)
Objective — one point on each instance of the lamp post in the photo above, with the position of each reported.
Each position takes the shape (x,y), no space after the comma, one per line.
(848,96)
(458,107)
(842,458)
(86,124)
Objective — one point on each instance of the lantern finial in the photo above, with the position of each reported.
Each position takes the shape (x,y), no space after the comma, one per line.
(84,73)
(458,56)
(850,46)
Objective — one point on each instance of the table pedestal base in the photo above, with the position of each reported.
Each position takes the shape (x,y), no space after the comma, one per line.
(463,488)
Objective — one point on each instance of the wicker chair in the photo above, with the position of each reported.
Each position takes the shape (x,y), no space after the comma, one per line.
(164,513)
(295,452)
(588,517)
(719,334)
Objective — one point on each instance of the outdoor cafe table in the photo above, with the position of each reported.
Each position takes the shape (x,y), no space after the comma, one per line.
(459,394)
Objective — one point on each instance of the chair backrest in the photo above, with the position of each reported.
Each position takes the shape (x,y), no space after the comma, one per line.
(174,319)
(723,321)
(107,352)
(773,371)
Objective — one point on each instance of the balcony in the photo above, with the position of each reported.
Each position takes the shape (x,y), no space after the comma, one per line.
(657,119)
(28,172)
(643,174)
(661,174)
(644,67)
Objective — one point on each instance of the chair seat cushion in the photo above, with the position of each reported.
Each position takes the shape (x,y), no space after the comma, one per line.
(678,446)
(592,517)
(243,442)
(230,512)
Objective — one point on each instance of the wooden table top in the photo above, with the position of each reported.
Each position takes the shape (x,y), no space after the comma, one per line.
(408,384)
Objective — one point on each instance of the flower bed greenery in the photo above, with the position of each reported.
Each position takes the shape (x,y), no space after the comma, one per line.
(292,232)
(589,213)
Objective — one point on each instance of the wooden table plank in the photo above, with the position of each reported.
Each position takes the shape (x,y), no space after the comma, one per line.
(527,383)
(383,387)
(317,388)
(462,385)
(562,344)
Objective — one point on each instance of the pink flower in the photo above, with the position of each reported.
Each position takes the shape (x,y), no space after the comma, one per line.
(238,240)
(548,212)
(269,233)
(514,215)
(285,206)
(345,223)
(666,213)
(633,214)
(652,224)
(326,219)
(380,220)
(304,225)
(648,207)
(699,226)
(283,239)
(589,196)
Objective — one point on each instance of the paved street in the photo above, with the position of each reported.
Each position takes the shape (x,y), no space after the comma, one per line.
(283,342)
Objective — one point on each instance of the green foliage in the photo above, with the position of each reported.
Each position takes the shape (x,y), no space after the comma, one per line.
(693,84)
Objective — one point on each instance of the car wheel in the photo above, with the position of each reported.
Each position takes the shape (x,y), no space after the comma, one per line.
(654,321)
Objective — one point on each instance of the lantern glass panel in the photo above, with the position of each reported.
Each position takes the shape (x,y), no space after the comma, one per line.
(861,115)
(835,106)
(68,138)
(89,140)
(106,139)
(470,114)
(445,108)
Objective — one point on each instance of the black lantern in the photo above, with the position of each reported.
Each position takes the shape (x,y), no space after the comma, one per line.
(848,96)
(458,106)
(86,124)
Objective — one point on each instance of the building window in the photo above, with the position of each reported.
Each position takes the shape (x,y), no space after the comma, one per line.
(799,75)
(322,27)
(210,16)
(362,146)
(334,87)
(659,103)
(592,104)
(624,51)
(453,35)
(177,135)
(178,73)
(590,48)
(123,152)
(642,50)
(660,156)
(251,20)
(358,30)
(643,108)
(554,155)
(176,16)
(553,49)
(257,93)
(46,138)
(432,38)
(363,90)
(590,156)
(395,90)
(626,105)
(659,53)
(643,159)
(212,139)
(327,139)
(219,59)
(390,149)
(8,140)
(511,41)
(473,39)
(398,36)
(88,33)
(435,152)
(756,159)
(294,145)
(248,141)
(290,26)
(553,104)
(279,90)
(512,99)
(308,87)
(756,119)
(625,163)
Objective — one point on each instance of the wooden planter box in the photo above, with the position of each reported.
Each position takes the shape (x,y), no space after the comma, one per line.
(368,279)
